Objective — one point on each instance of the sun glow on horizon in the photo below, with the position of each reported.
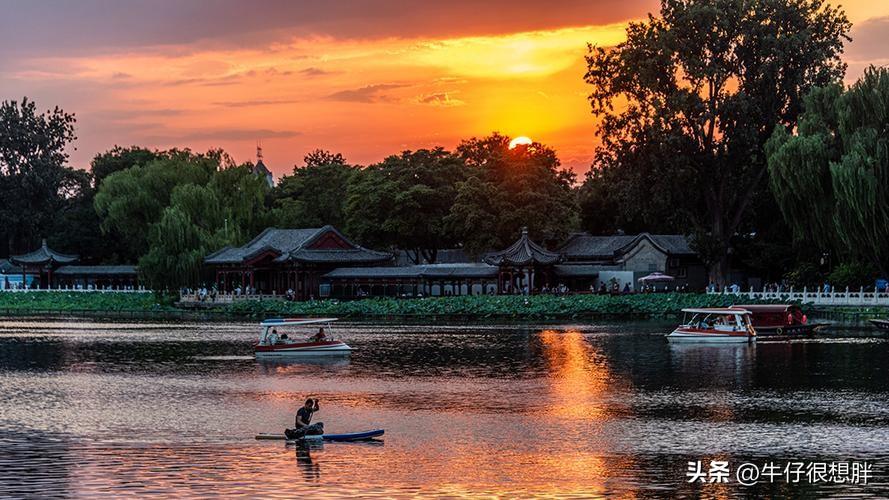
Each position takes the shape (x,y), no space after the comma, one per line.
(520,140)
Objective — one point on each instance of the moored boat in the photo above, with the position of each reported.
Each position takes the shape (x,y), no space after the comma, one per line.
(882,324)
(274,344)
(779,320)
(714,325)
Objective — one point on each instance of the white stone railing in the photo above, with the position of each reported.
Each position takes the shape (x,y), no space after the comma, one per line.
(860,297)
(71,289)
(228,297)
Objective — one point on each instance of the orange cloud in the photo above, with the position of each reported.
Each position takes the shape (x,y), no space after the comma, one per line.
(367,95)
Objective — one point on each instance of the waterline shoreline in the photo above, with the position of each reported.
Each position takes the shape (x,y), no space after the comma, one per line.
(147,306)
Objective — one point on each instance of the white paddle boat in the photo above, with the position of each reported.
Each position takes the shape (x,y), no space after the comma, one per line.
(286,337)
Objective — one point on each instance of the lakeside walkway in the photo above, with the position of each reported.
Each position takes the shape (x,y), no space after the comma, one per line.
(860,297)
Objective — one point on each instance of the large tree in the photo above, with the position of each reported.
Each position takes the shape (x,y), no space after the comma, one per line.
(510,188)
(35,181)
(831,177)
(120,158)
(404,200)
(130,200)
(315,194)
(694,94)
(201,218)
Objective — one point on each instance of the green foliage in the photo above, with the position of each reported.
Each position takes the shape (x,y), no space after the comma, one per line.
(315,195)
(853,275)
(805,275)
(118,158)
(704,85)
(176,252)
(508,189)
(130,201)
(514,306)
(81,301)
(174,210)
(35,182)
(404,200)
(831,178)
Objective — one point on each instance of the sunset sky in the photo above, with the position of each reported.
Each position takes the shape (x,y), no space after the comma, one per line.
(364,78)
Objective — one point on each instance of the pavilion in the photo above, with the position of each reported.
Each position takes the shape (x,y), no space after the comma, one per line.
(524,267)
(279,260)
(49,269)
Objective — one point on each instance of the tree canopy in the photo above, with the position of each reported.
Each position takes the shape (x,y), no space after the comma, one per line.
(831,177)
(315,194)
(403,201)
(508,188)
(35,180)
(688,101)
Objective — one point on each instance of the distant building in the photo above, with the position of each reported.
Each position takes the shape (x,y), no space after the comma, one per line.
(260,170)
(46,268)
(640,254)
(322,262)
(289,259)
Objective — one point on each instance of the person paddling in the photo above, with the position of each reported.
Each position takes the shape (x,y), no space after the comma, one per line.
(303,422)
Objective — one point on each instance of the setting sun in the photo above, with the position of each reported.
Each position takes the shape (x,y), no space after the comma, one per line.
(524,141)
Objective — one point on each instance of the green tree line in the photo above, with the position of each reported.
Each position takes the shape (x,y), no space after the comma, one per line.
(713,117)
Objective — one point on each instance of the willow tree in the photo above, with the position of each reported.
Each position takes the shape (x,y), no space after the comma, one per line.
(831,178)
(694,95)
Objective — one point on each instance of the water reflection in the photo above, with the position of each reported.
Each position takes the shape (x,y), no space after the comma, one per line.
(713,366)
(606,409)
(310,468)
(577,374)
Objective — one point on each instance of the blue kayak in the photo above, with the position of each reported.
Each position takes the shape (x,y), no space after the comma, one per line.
(349,436)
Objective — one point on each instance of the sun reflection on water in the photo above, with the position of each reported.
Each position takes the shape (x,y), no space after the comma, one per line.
(579,376)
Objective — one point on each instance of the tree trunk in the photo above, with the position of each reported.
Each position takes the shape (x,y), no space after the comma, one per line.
(431,255)
(414,255)
(719,271)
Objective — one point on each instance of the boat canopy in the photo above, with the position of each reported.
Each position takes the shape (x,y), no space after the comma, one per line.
(767,308)
(717,310)
(296,321)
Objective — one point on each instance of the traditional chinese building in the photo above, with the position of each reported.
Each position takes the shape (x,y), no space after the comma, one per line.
(524,267)
(467,278)
(46,268)
(322,262)
(279,260)
(633,256)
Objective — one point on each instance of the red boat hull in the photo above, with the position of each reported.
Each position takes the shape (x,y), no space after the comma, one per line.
(326,347)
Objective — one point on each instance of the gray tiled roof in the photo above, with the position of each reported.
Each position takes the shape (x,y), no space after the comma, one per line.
(96,270)
(582,246)
(523,252)
(7,267)
(577,271)
(425,271)
(41,256)
(290,244)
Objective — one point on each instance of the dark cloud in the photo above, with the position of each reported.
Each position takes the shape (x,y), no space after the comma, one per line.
(255,102)
(222,135)
(870,40)
(118,115)
(315,72)
(59,27)
(368,94)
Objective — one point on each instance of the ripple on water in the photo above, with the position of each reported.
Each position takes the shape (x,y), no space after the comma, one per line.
(570,411)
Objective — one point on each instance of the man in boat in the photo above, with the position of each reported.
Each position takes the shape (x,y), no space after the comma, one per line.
(304,425)
(319,337)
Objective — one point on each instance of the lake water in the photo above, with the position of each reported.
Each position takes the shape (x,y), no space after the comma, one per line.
(602,409)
